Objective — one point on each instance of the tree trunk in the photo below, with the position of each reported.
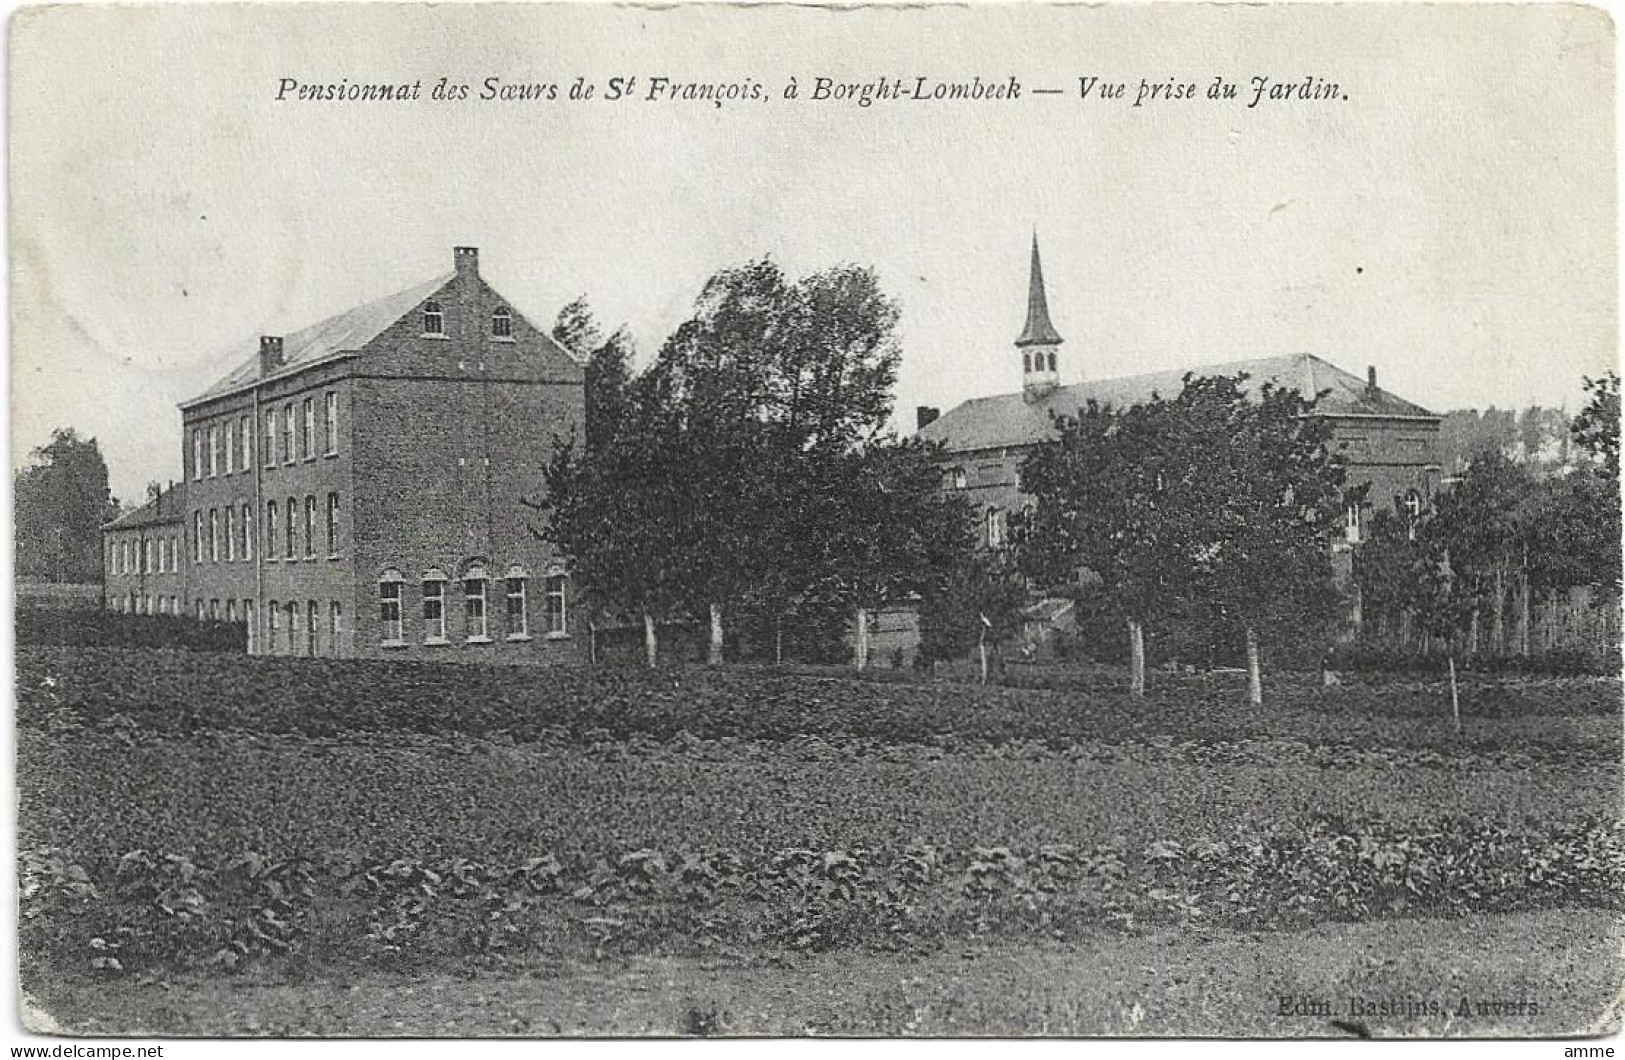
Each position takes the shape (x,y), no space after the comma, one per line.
(1136,658)
(1472,634)
(651,643)
(592,641)
(861,642)
(1455,700)
(1523,614)
(714,654)
(1255,679)
(1498,616)
(981,648)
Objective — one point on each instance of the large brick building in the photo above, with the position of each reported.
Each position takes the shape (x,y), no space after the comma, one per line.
(366,486)
(1387,441)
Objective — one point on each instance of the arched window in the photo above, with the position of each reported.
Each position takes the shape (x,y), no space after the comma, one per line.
(434,606)
(996,528)
(475,626)
(390,627)
(502,323)
(434,321)
(515,583)
(1026,361)
(1052,360)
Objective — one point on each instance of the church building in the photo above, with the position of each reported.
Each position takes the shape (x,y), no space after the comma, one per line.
(1386,440)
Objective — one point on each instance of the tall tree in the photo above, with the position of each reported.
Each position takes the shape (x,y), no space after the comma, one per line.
(61,499)
(762,413)
(1216,505)
(1099,505)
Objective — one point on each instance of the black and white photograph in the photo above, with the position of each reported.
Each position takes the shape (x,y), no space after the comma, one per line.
(789,521)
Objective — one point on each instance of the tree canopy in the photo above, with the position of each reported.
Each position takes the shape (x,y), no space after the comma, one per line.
(61,500)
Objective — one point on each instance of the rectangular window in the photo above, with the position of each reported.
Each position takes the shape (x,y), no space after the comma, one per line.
(214,451)
(558,623)
(214,535)
(248,617)
(245,438)
(197,536)
(146,548)
(312,624)
(330,421)
(214,610)
(270,438)
(287,433)
(231,447)
(248,532)
(231,610)
(474,625)
(307,430)
(517,623)
(335,622)
(293,627)
(163,555)
(270,529)
(231,534)
(332,524)
(310,527)
(389,611)
(272,620)
(197,453)
(290,539)
(434,611)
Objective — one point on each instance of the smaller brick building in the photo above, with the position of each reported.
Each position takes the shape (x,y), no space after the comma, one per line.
(144,556)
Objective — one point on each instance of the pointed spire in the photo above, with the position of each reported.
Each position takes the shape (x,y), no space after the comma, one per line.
(1039,331)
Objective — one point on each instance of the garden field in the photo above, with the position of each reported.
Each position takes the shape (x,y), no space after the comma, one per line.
(295,824)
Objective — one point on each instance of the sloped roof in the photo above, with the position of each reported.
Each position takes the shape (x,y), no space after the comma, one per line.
(1012,420)
(164,508)
(349,330)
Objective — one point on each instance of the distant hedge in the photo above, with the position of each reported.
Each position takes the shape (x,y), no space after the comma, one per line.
(111,629)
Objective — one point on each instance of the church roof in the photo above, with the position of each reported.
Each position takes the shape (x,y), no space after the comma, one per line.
(1014,420)
(1039,331)
(342,332)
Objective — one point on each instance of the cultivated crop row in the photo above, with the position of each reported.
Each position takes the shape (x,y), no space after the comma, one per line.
(181,692)
(152,910)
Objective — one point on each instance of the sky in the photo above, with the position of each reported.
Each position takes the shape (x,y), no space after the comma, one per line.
(1452,222)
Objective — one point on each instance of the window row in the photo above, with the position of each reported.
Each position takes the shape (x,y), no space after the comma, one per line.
(438,597)
(133,603)
(295,628)
(1037,362)
(434,321)
(146,555)
(291,531)
(290,434)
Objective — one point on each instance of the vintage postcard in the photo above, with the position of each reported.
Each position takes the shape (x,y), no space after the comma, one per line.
(1021,520)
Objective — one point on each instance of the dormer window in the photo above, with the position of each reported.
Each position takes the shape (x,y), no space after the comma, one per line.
(502,324)
(434,321)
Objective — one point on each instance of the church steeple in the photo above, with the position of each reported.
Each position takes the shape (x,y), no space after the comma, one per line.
(1039,339)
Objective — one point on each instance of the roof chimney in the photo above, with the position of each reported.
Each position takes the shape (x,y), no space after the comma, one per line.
(270,353)
(925,416)
(467,260)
